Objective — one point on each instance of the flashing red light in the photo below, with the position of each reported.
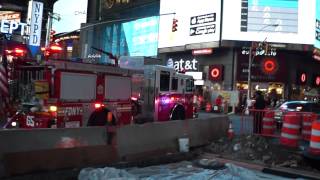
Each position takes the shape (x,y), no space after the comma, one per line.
(134,98)
(98,105)
(55,48)
(16,52)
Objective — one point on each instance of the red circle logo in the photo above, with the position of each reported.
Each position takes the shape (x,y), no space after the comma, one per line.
(215,72)
(269,66)
(318,80)
(303,77)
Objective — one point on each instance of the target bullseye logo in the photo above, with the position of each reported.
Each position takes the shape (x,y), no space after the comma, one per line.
(269,66)
(215,72)
(303,77)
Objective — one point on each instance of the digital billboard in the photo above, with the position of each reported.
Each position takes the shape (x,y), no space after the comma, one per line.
(317,39)
(195,22)
(142,36)
(279,21)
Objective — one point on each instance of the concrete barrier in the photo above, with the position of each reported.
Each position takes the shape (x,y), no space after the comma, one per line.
(17,145)
(25,151)
(147,137)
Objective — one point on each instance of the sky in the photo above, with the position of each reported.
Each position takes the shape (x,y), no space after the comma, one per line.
(72,13)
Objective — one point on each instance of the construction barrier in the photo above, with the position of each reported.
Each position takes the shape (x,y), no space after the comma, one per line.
(268,123)
(315,139)
(290,131)
(24,151)
(307,119)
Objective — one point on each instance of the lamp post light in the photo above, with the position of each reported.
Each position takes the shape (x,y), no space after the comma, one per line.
(251,58)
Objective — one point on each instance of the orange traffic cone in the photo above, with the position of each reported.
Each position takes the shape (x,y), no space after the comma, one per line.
(230,131)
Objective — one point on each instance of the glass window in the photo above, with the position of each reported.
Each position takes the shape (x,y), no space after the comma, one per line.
(316,108)
(164,80)
(189,85)
(174,84)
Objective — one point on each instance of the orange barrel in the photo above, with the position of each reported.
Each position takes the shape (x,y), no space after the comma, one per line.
(315,139)
(307,119)
(208,107)
(290,129)
(268,123)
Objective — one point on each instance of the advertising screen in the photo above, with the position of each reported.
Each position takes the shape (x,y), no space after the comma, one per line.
(280,21)
(141,36)
(193,21)
(317,39)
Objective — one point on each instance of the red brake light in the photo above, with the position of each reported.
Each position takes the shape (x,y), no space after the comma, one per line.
(16,52)
(98,105)
(55,48)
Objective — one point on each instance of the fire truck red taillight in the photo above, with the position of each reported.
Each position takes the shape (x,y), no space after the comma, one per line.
(98,105)
(53,108)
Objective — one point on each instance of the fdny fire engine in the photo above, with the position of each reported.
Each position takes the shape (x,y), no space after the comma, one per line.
(74,94)
(167,95)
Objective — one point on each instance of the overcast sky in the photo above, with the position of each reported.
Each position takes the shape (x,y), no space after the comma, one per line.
(72,13)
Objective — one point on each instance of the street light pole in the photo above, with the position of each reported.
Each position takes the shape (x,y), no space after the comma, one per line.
(251,58)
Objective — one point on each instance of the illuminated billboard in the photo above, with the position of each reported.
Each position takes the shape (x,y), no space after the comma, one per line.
(317,39)
(280,21)
(141,36)
(193,21)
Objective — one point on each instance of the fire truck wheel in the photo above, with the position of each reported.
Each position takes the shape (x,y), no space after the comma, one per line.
(178,113)
(99,118)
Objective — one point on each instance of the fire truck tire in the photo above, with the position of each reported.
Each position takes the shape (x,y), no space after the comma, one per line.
(99,118)
(178,113)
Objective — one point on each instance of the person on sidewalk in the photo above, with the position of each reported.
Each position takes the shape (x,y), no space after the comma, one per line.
(218,103)
(258,114)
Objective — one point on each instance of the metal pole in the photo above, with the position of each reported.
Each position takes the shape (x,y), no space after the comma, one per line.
(49,26)
(249,80)
(249,75)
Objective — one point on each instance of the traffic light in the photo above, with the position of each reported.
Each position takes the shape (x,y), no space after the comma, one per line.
(174,25)
(52,32)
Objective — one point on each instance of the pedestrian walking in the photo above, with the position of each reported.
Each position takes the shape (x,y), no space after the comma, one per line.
(259,106)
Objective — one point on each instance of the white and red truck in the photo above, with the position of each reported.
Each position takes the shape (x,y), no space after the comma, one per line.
(76,94)
(160,93)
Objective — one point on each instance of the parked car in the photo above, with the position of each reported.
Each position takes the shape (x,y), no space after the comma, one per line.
(296,106)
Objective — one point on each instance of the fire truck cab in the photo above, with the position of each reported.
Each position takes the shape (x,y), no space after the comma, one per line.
(166,94)
(74,94)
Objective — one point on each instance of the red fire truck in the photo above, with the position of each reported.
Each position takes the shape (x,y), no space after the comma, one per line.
(74,94)
(165,94)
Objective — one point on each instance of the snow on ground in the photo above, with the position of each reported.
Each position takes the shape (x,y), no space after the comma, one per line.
(183,170)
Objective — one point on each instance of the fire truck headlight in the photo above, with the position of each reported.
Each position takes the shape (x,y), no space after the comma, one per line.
(13,124)
(53,108)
